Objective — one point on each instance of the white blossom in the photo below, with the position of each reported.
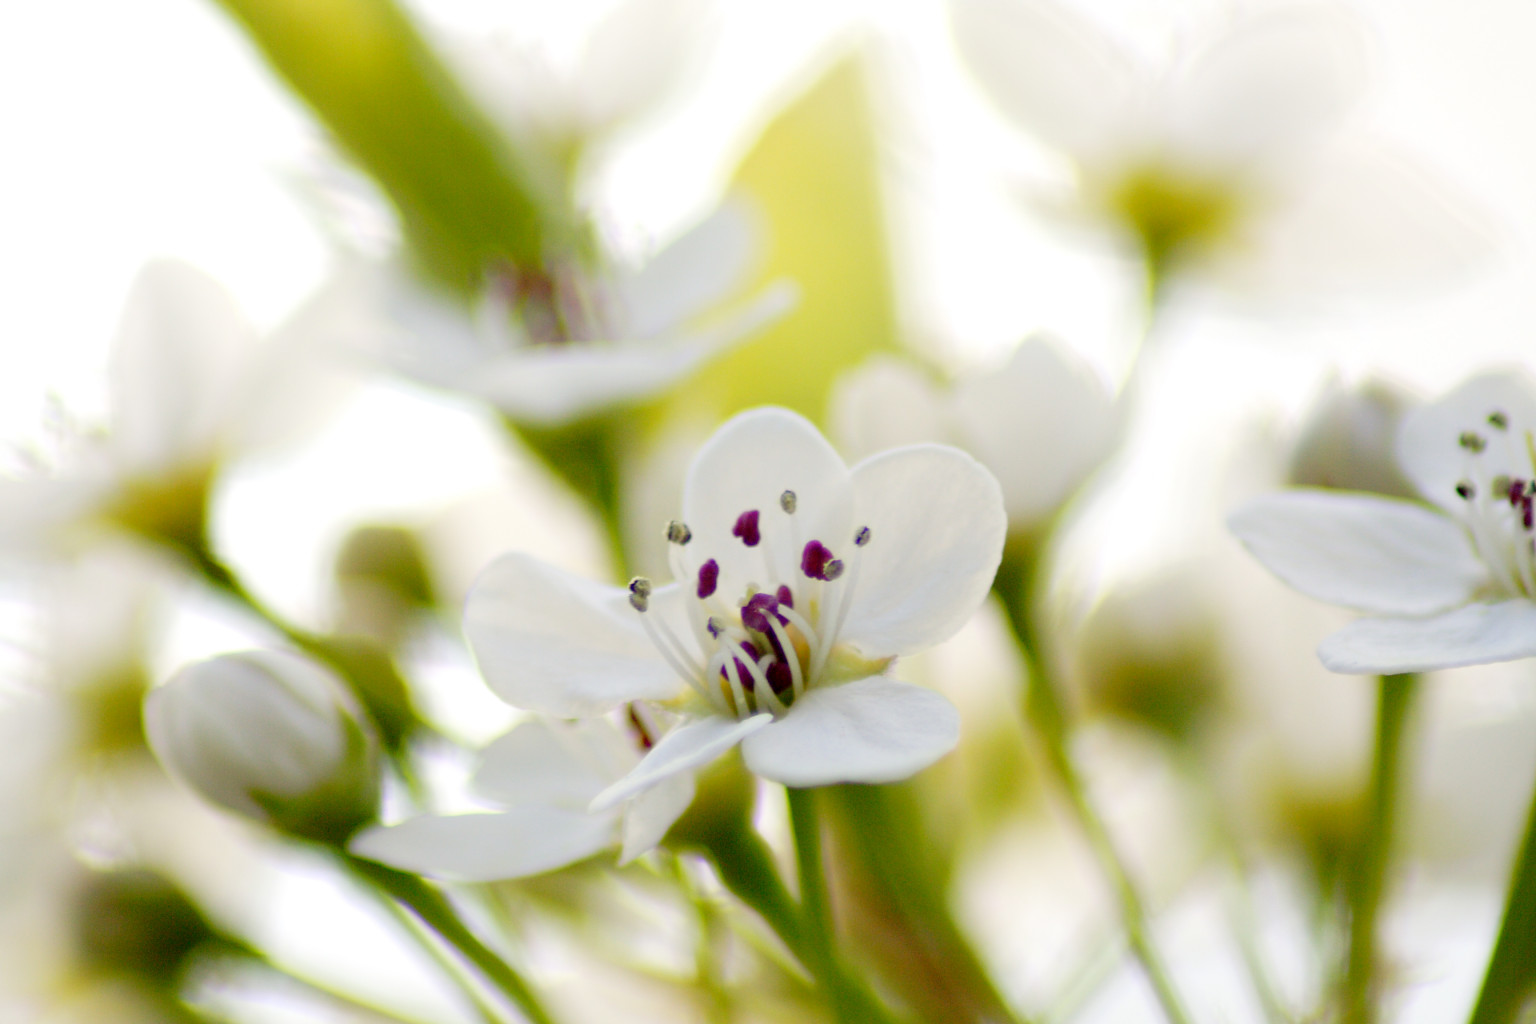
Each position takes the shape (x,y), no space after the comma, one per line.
(547,349)
(1042,422)
(1235,157)
(797,582)
(1449,584)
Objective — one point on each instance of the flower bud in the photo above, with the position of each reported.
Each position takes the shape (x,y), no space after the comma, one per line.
(271,735)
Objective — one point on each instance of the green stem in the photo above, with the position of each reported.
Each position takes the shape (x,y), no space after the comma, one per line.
(816,906)
(433,910)
(1367,880)
(747,869)
(1510,984)
(1015,585)
(901,880)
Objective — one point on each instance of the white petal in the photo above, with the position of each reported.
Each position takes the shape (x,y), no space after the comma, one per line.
(486,847)
(871,730)
(696,271)
(1274,83)
(633,57)
(181,344)
(41,517)
(1056,75)
(691,745)
(936,532)
(887,403)
(1357,220)
(650,814)
(1362,551)
(1472,635)
(548,385)
(1042,423)
(554,763)
(748,464)
(552,642)
(1428,442)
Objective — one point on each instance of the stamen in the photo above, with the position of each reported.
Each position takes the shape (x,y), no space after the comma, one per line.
(1498,420)
(759,611)
(746,528)
(639,593)
(709,579)
(833,570)
(1472,441)
(787,502)
(678,533)
(815,559)
(862,537)
(1465,490)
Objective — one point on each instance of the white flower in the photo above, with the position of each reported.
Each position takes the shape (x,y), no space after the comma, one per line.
(547,350)
(1232,158)
(541,775)
(1446,586)
(1042,422)
(191,385)
(271,735)
(797,581)
(624,67)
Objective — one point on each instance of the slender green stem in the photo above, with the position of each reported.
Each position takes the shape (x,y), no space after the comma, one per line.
(1368,874)
(746,867)
(433,910)
(901,880)
(1509,987)
(816,906)
(1044,706)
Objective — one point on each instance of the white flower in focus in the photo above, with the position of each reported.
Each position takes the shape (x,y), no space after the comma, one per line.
(1448,586)
(1042,422)
(542,775)
(548,350)
(192,385)
(797,581)
(1232,159)
(271,735)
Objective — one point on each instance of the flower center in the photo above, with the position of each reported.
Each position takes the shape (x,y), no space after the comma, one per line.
(1498,494)
(763,650)
(554,307)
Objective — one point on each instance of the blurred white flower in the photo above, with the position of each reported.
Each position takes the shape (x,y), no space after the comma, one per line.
(1233,159)
(798,581)
(1445,587)
(191,386)
(554,105)
(1042,422)
(541,775)
(271,735)
(547,350)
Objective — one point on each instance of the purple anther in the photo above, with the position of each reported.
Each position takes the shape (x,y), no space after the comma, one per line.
(780,678)
(814,560)
(709,578)
(1527,513)
(785,595)
(1516,491)
(746,528)
(754,614)
(744,674)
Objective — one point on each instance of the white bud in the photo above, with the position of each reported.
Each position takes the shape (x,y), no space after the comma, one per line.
(272,735)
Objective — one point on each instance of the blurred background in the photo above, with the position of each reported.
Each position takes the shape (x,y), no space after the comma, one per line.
(154,129)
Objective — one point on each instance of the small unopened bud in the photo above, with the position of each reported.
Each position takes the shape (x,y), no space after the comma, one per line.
(271,735)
